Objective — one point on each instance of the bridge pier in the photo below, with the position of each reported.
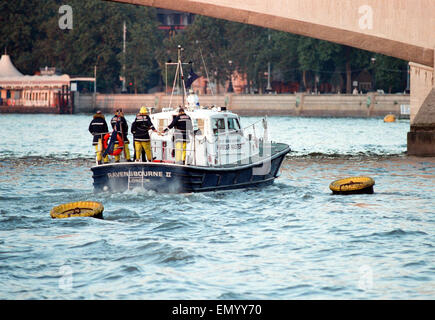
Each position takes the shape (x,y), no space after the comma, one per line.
(421,137)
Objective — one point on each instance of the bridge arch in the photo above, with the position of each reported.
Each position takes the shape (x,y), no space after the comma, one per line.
(399,28)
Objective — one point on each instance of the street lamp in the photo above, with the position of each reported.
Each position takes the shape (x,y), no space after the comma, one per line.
(269,87)
(124,89)
(230,86)
(373,60)
(95,82)
(95,75)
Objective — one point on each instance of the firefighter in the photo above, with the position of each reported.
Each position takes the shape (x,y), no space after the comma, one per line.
(98,128)
(183,127)
(119,124)
(139,128)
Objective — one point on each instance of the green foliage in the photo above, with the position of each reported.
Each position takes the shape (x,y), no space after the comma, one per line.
(390,73)
(35,40)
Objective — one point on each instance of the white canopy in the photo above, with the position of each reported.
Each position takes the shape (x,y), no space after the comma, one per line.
(11,78)
(7,68)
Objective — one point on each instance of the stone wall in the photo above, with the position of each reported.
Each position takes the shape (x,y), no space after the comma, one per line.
(334,105)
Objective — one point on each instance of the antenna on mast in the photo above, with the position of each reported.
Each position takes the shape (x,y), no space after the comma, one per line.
(178,75)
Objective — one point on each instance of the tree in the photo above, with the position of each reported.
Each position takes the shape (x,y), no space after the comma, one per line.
(285,56)
(141,66)
(390,73)
(35,39)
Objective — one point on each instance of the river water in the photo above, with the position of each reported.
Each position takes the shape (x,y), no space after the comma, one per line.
(291,240)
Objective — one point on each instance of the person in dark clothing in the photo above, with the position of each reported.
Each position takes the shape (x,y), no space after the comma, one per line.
(118,121)
(183,128)
(139,128)
(98,128)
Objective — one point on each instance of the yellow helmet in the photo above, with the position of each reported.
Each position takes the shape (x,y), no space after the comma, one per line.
(143,110)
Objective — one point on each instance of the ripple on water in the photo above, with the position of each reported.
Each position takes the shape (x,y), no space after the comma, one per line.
(397,233)
(171,225)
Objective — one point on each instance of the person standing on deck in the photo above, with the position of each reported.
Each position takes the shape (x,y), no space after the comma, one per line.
(118,121)
(192,100)
(139,128)
(98,128)
(183,128)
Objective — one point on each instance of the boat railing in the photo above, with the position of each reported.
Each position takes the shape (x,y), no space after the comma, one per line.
(236,145)
(215,154)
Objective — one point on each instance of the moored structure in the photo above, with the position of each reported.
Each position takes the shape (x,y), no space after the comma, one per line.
(46,92)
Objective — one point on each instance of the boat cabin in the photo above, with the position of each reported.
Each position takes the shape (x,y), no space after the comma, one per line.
(216,138)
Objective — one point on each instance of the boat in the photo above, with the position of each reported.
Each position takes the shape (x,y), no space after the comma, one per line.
(220,154)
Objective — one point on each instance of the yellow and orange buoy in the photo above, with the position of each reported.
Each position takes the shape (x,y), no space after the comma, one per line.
(78,209)
(390,118)
(352,185)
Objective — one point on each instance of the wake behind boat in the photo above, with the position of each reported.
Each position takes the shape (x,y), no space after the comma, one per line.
(216,154)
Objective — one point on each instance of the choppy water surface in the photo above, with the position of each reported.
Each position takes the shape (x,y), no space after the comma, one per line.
(292,240)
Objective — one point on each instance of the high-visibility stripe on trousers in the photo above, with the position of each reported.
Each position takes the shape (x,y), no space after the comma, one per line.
(143,145)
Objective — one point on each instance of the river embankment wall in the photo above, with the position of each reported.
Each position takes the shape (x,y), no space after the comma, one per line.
(310,105)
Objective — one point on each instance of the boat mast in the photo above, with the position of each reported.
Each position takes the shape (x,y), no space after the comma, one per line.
(180,66)
(179,76)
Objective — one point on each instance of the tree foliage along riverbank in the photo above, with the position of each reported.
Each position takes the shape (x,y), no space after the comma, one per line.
(31,35)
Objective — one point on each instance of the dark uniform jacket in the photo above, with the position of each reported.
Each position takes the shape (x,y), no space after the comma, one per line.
(140,127)
(183,127)
(98,127)
(121,126)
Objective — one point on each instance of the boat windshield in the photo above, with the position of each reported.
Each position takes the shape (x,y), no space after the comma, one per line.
(218,125)
(233,125)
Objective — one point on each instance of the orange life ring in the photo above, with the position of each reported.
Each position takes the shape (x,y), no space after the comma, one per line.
(120,143)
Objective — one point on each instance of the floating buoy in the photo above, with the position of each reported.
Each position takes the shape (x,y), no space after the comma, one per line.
(352,185)
(78,209)
(390,118)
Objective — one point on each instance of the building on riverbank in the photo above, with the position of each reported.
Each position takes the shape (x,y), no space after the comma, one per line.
(45,92)
(173,21)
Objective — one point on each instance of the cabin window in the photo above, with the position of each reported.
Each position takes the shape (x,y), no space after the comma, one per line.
(218,126)
(233,124)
